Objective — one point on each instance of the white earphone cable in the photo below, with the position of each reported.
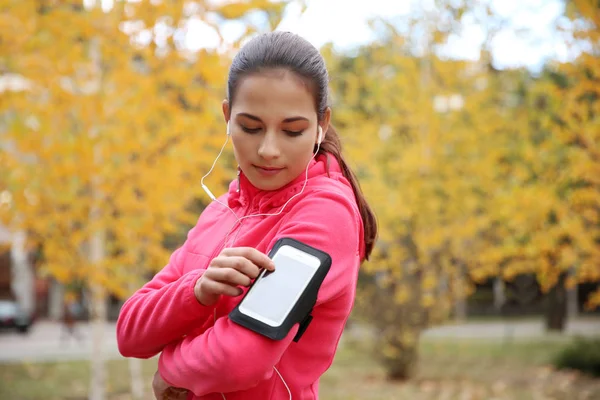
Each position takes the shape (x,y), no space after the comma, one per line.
(239,220)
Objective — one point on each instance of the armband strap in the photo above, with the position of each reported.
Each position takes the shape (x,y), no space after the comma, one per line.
(303,326)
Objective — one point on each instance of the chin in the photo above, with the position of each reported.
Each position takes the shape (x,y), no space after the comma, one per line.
(267,185)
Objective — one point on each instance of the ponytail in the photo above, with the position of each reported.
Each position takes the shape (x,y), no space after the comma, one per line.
(331,144)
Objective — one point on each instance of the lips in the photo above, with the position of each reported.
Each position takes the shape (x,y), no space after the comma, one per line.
(268,171)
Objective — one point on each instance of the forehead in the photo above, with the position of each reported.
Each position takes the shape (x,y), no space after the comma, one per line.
(275,93)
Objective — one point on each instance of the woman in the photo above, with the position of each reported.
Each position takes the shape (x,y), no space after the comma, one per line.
(292,182)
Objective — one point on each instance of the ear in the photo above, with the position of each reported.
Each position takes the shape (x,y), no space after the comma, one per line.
(324,124)
(227,115)
(226,110)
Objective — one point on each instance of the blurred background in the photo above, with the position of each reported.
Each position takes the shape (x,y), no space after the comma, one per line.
(474,127)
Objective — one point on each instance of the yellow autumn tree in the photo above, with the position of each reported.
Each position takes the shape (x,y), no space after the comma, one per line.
(104,144)
(402,117)
(579,128)
(575,95)
(546,219)
(471,178)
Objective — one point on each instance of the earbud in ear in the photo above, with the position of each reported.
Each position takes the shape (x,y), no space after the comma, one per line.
(320,137)
(228,130)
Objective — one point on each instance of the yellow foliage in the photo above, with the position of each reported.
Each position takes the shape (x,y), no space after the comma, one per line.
(594,300)
(109,136)
(402,294)
(474,173)
(428,300)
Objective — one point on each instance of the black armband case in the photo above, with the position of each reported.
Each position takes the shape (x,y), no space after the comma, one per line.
(301,311)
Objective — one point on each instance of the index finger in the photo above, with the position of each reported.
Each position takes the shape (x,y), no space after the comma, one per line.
(260,259)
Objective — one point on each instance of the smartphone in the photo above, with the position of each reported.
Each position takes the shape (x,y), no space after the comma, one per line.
(274,293)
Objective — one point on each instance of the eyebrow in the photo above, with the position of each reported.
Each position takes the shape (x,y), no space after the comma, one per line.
(255,118)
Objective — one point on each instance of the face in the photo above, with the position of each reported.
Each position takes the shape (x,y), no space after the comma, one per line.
(273,125)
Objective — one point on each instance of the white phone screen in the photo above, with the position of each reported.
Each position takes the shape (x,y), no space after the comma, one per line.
(274,294)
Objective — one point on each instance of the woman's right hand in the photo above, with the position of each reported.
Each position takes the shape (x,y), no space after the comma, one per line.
(234,267)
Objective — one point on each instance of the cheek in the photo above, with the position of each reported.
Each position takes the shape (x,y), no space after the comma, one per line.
(241,148)
(300,153)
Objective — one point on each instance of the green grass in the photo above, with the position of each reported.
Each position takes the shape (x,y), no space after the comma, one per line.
(518,318)
(65,380)
(448,369)
(461,369)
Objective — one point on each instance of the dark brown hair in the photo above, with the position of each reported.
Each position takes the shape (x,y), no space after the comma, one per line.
(289,51)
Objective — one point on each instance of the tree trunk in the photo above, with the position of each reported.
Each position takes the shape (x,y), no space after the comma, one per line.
(97,247)
(499,294)
(137,379)
(460,309)
(56,296)
(572,300)
(460,298)
(403,365)
(556,307)
(572,303)
(98,300)
(98,306)
(23,277)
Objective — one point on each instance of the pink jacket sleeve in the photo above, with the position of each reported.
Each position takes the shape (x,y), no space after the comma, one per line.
(163,310)
(228,357)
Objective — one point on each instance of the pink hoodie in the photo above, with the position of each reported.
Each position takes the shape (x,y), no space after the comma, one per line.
(210,357)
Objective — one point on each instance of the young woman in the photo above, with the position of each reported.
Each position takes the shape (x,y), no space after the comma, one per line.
(293,182)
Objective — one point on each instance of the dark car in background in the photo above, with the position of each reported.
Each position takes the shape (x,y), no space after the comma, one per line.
(12,316)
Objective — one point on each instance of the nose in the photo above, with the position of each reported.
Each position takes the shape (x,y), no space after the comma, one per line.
(269,149)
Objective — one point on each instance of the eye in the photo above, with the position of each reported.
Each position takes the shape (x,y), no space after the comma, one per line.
(294,133)
(249,130)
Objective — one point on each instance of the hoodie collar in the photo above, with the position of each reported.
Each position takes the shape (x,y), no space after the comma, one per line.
(249,196)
